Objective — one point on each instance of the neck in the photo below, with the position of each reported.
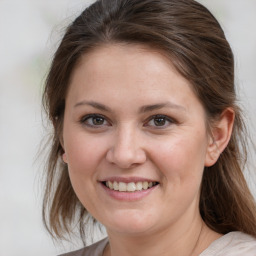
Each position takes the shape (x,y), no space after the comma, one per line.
(180,239)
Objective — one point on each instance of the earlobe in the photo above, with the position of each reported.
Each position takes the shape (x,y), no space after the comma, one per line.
(64,158)
(220,136)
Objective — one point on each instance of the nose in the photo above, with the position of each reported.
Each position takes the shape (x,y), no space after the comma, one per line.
(126,150)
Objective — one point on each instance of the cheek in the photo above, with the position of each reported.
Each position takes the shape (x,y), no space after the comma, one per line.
(84,154)
(181,159)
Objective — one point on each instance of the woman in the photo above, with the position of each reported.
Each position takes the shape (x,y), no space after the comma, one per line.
(148,139)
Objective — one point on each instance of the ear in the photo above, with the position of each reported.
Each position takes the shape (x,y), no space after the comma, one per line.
(220,136)
(64,158)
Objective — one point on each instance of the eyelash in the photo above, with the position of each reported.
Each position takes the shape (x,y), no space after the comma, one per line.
(85,121)
(164,118)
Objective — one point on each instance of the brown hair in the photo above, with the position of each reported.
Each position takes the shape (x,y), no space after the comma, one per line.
(195,43)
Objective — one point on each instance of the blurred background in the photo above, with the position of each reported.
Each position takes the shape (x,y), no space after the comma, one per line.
(30,31)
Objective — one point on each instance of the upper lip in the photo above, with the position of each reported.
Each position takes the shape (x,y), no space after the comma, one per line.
(127,179)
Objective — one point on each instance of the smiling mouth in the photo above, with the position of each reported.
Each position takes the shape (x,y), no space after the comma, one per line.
(129,187)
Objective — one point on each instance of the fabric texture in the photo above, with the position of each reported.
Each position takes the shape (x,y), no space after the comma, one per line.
(231,244)
(92,250)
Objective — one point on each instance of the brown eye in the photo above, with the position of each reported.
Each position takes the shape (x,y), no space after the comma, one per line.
(94,120)
(159,121)
(98,120)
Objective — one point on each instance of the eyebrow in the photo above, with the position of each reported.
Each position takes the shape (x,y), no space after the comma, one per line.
(149,108)
(93,104)
(142,109)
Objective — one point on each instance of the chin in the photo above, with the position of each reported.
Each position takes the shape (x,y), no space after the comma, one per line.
(130,222)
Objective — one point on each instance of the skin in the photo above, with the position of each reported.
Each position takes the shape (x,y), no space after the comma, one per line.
(127,141)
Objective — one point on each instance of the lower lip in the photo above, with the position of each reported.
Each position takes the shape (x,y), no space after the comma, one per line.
(128,196)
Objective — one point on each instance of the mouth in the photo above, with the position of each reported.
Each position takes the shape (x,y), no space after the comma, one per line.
(129,187)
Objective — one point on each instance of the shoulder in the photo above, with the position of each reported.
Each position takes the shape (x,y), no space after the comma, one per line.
(92,250)
(232,244)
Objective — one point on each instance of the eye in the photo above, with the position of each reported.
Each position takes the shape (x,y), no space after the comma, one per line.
(159,121)
(94,120)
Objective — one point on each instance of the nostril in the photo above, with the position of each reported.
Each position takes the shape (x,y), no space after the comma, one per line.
(125,161)
(126,154)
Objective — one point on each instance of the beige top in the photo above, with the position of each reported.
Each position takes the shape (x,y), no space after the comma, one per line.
(231,244)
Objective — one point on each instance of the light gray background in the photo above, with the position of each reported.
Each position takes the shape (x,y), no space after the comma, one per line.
(29,32)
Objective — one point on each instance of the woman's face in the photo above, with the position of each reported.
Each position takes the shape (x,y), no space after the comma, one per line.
(135,140)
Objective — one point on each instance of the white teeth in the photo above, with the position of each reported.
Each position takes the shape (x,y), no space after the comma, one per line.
(122,187)
(110,185)
(145,185)
(130,187)
(139,186)
(115,185)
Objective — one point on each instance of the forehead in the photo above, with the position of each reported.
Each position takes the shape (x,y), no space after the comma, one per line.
(126,56)
(117,72)
(112,60)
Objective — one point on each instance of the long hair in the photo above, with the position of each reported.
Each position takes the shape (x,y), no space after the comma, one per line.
(193,40)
